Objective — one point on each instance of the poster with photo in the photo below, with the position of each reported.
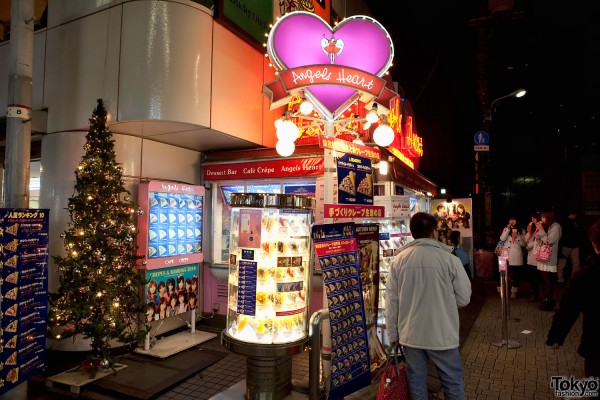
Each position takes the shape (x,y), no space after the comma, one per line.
(172,291)
(355,180)
(23,294)
(455,215)
(336,248)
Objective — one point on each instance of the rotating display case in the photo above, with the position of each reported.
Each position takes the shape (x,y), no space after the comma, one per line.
(269,268)
(267,310)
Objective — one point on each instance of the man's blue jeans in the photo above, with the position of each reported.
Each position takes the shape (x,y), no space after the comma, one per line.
(449,369)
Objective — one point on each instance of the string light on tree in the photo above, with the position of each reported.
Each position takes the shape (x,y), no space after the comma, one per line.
(99,265)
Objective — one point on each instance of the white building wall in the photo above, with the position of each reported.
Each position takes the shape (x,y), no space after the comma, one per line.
(161,43)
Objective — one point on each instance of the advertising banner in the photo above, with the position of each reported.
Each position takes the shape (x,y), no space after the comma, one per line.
(171,225)
(336,248)
(355,180)
(249,18)
(23,294)
(455,215)
(367,237)
(264,169)
(172,291)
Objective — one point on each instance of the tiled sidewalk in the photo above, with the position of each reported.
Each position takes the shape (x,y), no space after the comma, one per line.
(521,373)
(490,372)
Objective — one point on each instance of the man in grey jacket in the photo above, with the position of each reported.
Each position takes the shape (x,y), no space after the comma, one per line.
(426,286)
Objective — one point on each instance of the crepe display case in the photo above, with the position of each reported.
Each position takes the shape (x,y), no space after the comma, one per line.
(268,285)
(394,234)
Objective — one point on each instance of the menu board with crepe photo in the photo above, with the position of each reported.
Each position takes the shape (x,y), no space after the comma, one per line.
(171,224)
(23,294)
(355,180)
(337,250)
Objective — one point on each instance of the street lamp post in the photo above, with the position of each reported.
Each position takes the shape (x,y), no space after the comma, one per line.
(482,167)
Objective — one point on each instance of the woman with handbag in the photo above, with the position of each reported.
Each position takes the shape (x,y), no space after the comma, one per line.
(513,248)
(549,232)
(531,245)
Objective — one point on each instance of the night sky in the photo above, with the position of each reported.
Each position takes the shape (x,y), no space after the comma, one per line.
(552,49)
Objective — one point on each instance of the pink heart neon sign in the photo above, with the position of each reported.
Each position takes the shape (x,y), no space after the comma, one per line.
(301,39)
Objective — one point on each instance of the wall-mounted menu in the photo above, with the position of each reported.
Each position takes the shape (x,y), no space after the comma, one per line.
(337,250)
(23,294)
(171,226)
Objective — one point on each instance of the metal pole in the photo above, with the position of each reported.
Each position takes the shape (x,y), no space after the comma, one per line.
(193,321)
(314,343)
(510,344)
(18,115)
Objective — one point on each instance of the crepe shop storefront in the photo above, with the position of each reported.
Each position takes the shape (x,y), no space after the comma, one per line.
(292,176)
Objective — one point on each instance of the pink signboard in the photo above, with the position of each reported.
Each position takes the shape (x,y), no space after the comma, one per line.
(333,65)
(171,225)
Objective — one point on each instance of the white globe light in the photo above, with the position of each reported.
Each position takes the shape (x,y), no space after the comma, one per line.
(306,107)
(383,135)
(285,148)
(287,131)
(372,116)
(278,122)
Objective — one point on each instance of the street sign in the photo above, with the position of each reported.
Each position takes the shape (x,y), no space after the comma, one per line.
(481,147)
(481,138)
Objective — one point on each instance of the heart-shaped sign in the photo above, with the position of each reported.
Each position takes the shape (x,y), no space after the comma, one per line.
(302,39)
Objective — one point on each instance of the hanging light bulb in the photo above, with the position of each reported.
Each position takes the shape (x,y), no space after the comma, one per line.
(383,135)
(285,148)
(306,106)
(278,122)
(383,167)
(287,131)
(372,115)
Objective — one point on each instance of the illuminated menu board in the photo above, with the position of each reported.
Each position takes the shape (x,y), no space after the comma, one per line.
(171,225)
(23,294)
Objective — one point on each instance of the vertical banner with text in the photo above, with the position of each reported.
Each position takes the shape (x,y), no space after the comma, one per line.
(337,251)
(23,294)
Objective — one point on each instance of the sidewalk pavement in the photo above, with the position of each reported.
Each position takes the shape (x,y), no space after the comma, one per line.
(522,373)
(490,372)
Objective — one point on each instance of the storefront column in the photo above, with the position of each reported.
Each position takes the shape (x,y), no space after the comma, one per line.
(329,168)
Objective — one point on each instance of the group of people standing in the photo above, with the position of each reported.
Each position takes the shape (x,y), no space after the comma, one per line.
(522,249)
(427,284)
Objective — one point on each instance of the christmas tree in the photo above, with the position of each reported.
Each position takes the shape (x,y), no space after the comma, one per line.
(100,295)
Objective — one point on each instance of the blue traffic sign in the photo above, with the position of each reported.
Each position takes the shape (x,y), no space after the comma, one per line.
(481,138)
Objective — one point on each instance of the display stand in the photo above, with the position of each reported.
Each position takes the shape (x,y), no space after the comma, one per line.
(268,367)
(510,344)
(78,377)
(176,343)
